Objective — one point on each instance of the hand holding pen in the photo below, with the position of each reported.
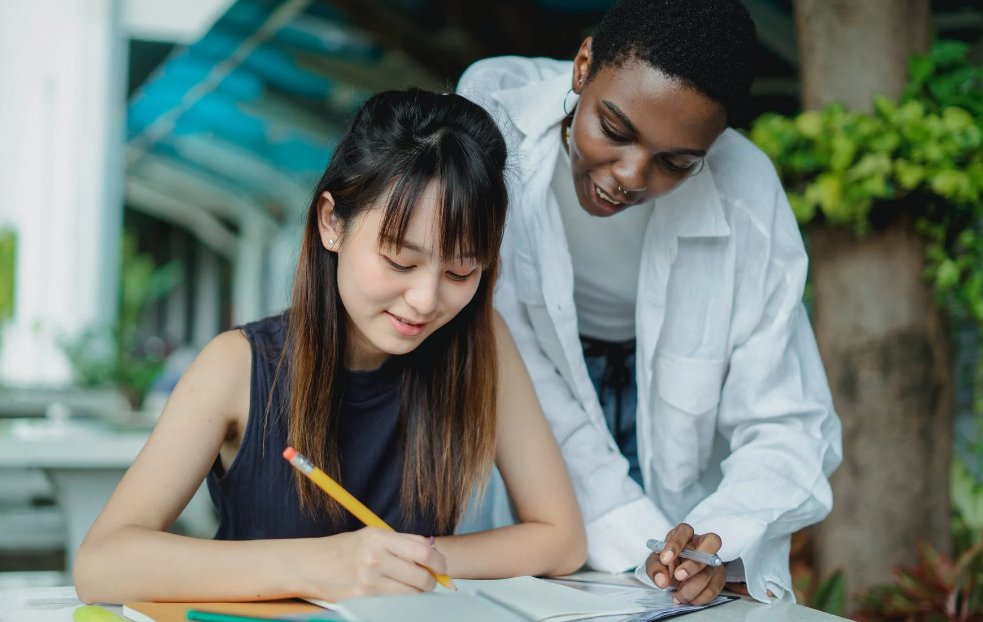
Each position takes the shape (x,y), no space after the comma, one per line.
(688,563)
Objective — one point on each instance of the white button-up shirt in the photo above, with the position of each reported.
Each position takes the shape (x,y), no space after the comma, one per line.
(736,429)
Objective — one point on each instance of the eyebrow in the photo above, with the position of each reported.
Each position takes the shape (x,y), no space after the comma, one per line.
(419,249)
(634,130)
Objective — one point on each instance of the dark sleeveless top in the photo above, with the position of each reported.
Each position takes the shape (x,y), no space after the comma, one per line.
(257,498)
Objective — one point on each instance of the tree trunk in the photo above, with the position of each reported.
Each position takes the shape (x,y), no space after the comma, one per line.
(880,332)
(851,50)
(887,353)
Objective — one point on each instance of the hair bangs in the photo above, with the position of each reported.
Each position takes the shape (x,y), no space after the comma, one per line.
(471,202)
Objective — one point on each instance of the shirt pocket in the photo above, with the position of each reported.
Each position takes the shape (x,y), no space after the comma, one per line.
(684,417)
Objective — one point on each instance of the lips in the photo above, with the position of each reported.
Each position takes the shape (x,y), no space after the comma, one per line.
(405,327)
(601,202)
(607,197)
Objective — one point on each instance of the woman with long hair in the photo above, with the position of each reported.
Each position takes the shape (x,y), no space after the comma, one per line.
(391,371)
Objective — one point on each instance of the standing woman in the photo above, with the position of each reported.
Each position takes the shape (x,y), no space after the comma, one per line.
(652,277)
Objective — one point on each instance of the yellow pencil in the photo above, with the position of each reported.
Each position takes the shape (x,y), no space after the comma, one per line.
(347,501)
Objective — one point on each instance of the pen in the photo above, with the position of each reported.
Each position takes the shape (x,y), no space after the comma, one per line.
(709,559)
(347,501)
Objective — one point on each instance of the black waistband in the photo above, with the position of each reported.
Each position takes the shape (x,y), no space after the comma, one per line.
(611,349)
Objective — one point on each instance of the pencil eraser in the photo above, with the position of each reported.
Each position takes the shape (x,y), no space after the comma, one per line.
(289,453)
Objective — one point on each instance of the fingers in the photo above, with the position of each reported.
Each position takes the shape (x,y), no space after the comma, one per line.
(660,574)
(737,588)
(408,573)
(676,540)
(706,543)
(702,587)
(416,549)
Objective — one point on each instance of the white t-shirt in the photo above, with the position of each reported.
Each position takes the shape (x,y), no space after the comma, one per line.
(606,253)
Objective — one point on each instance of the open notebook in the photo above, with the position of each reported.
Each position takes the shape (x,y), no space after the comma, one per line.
(522,599)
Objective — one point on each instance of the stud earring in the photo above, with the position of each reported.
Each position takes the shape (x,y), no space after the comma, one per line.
(330,242)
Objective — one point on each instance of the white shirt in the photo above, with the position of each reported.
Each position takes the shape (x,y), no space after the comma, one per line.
(736,429)
(606,255)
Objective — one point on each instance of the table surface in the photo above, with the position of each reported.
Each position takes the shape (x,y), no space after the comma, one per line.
(56,604)
(69,443)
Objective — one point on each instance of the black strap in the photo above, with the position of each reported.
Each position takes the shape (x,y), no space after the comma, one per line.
(616,374)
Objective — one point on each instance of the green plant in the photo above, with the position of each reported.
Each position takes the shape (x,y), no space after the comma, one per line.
(967,503)
(116,356)
(828,594)
(937,589)
(922,155)
(946,77)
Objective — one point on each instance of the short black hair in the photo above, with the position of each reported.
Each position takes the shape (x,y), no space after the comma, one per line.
(707,44)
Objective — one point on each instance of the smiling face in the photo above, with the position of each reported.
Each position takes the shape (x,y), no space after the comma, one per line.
(394,298)
(636,133)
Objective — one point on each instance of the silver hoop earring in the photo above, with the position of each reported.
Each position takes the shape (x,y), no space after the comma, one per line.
(565,97)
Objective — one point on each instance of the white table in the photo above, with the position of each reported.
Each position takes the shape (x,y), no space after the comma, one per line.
(55,604)
(84,459)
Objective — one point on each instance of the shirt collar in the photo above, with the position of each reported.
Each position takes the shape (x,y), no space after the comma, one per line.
(695,208)
(538,106)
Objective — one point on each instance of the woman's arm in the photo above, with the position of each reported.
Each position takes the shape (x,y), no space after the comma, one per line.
(128,556)
(550,538)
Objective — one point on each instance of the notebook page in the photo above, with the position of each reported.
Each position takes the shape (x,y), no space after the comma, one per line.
(430,607)
(657,603)
(549,602)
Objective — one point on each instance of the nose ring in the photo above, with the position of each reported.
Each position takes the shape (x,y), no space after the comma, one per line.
(622,190)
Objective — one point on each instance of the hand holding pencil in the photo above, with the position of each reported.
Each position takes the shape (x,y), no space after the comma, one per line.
(353,505)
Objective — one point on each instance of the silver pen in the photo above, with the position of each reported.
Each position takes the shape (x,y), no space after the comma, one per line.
(709,559)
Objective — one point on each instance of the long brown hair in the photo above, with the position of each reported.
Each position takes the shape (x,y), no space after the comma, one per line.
(396,145)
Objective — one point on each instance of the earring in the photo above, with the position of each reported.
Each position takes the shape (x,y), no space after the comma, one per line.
(330,242)
(565,98)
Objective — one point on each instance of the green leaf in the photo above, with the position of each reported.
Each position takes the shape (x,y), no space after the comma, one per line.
(831,595)
(967,495)
(827,192)
(920,67)
(949,51)
(844,149)
(803,161)
(908,175)
(910,112)
(946,275)
(885,141)
(956,119)
(870,165)
(885,106)
(951,184)
(967,238)
(804,210)
(810,124)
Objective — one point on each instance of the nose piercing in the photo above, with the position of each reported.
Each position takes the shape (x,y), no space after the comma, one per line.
(622,190)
